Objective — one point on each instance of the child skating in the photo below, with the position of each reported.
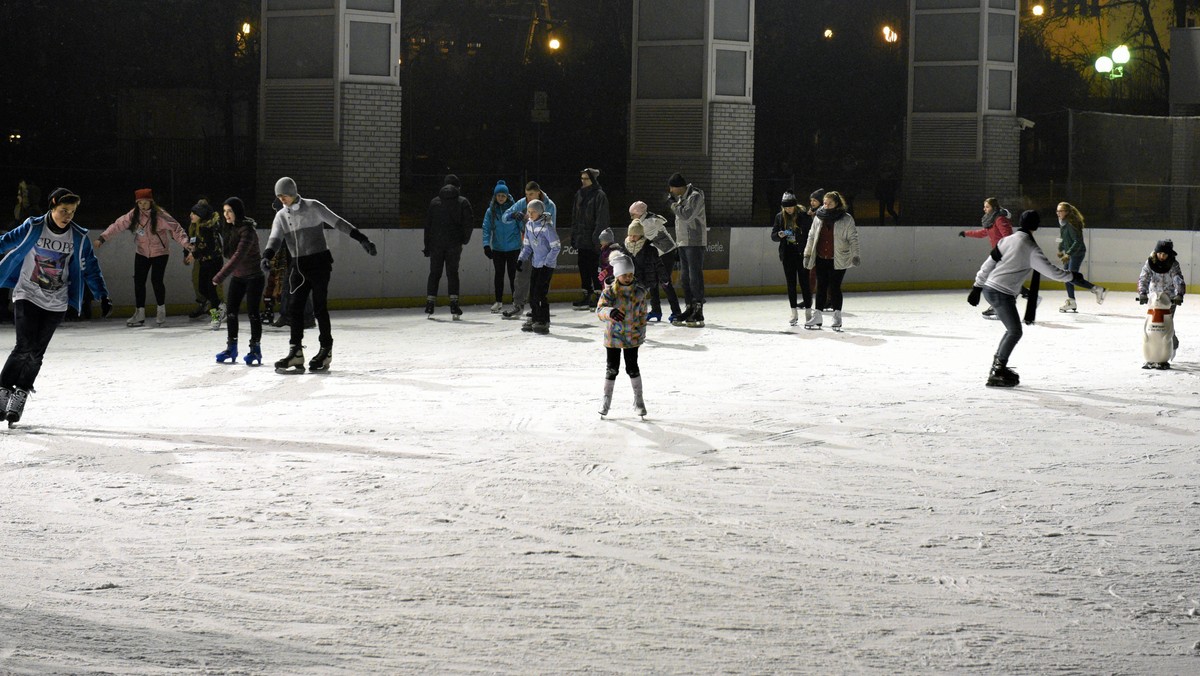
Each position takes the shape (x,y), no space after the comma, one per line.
(1161,276)
(622,308)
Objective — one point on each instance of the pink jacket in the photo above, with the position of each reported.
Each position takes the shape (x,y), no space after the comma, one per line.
(1001,228)
(149,245)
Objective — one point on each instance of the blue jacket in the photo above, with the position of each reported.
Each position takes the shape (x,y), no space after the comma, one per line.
(16,243)
(519,208)
(541,243)
(498,232)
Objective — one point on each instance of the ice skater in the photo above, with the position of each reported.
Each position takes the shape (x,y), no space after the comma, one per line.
(648,267)
(790,228)
(608,248)
(501,243)
(247,280)
(540,250)
(1071,251)
(448,226)
(999,282)
(831,250)
(204,234)
(655,231)
(46,262)
(622,307)
(691,233)
(300,224)
(995,225)
(1161,274)
(516,214)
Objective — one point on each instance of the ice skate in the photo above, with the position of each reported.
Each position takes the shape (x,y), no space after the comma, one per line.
(1001,375)
(680,318)
(138,318)
(606,402)
(320,361)
(254,356)
(200,310)
(1069,306)
(837,320)
(228,354)
(814,322)
(583,302)
(497,307)
(293,362)
(429,302)
(696,319)
(455,310)
(4,392)
(655,316)
(989,313)
(795,320)
(160,317)
(541,328)
(639,406)
(527,326)
(1099,292)
(15,405)
(268,313)
(514,312)
(217,316)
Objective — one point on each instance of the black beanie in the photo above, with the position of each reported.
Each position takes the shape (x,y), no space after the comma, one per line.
(676,181)
(592,173)
(202,210)
(1030,220)
(818,194)
(239,209)
(451,179)
(789,200)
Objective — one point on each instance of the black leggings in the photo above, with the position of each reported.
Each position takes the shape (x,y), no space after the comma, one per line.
(589,264)
(310,277)
(207,270)
(794,271)
(614,362)
(34,328)
(539,288)
(504,262)
(250,288)
(155,267)
(829,285)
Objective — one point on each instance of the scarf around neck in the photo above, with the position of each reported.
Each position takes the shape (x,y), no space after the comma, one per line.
(830,216)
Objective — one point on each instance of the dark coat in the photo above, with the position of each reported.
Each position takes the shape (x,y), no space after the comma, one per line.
(589,218)
(449,223)
(793,246)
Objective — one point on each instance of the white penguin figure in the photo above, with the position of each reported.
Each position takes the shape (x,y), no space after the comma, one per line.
(1159,345)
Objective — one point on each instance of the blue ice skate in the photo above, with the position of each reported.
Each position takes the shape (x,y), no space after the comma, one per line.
(254,356)
(229,353)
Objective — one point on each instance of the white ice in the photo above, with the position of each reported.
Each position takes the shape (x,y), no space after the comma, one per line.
(447,500)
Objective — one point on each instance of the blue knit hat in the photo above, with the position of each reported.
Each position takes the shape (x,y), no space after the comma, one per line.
(501,187)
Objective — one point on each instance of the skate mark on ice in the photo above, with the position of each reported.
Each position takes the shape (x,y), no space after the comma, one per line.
(1122,410)
(694,347)
(569,339)
(753,332)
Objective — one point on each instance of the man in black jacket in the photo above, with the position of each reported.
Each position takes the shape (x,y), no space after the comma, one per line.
(447,229)
(589,218)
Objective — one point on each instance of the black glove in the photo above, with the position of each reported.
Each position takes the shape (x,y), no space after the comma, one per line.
(1077,277)
(369,247)
(105,307)
(487,251)
(520,266)
(519,216)
(265,266)
(1178,300)
(973,297)
(425,253)
(962,233)
(1142,299)
(616,315)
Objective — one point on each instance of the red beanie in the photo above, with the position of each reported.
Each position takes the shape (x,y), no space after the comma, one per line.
(143,194)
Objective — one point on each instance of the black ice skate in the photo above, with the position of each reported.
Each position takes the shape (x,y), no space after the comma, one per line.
(455,310)
(15,406)
(584,302)
(320,362)
(429,302)
(696,319)
(1001,375)
(293,362)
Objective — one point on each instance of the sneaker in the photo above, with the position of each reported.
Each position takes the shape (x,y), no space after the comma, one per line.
(1100,292)
(1069,306)
(217,317)
(989,313)
(497,307)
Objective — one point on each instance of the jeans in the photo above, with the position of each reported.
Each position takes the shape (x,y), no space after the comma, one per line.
(691,273)
(448,259)
(34,328)
(155,267)
(250,288)
(1074,263)
(1006,311)
(521,284)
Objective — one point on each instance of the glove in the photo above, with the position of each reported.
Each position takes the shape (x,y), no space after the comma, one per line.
(520,266)
(616,315)
(105,307)
(265,266)
(973,297)
(369,247)
(425,253)
(487,251)
(1142,299)
(1178,300)
(855,262)
(962,233)
(1077,277)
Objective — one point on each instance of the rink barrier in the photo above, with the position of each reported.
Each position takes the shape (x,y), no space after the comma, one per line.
(895,258)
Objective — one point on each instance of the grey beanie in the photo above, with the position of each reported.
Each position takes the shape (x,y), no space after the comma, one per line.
(286,186)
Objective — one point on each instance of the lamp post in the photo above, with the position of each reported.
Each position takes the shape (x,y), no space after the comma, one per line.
(1113,67)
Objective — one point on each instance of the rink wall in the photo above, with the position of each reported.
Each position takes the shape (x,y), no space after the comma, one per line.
(742,261)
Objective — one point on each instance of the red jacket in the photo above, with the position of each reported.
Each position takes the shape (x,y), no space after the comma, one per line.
(1001,228)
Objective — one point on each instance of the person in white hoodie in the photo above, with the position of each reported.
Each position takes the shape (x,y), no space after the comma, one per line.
(999,282)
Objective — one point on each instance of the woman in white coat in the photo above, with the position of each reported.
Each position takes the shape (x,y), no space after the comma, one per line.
(832,249)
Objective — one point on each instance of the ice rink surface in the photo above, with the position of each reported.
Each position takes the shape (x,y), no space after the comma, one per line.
(447,500)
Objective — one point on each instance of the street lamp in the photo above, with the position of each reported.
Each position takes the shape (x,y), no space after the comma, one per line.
(1113,66)
(890,35)
(1038,9)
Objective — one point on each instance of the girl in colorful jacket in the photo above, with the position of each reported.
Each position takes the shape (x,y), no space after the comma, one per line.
(622,307)
(153,229)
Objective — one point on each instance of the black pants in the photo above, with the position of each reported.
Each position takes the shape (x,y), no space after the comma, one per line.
(539,288)
(668,265)
(614,362)
(309,278)
(796,273)
(250,288)
(155,267)
(448,259)
(505,262)
(1008,314)
(207,270)
(589,264)
(829,285)
(34,328)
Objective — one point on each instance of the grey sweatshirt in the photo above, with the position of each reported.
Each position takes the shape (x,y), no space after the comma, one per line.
(1018,254)
(301,226)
